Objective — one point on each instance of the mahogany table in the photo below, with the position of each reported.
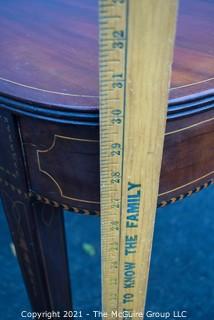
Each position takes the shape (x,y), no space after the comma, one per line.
(49,119)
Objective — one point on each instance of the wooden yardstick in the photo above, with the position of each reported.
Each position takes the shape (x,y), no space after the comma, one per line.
(136,45)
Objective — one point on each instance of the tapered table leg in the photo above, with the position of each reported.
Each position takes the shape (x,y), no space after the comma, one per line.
(52,247)
(37,229)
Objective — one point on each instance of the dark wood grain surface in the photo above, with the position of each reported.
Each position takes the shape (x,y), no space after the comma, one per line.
(49,50)
(33,227)
(49,55)
(187,160)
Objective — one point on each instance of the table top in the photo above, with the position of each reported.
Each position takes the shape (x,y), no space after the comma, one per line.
(49,51)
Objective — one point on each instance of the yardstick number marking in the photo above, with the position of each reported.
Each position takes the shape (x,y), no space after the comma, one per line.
(136,45)
(113,45)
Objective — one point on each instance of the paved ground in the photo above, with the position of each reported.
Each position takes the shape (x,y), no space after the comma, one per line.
(181,276)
